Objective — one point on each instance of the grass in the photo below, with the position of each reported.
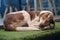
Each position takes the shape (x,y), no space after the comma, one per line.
(52,34)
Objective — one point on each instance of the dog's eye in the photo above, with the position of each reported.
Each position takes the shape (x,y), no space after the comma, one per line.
(42,17)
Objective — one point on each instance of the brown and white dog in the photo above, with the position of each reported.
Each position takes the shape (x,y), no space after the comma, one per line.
(34,20)
(47,20)
(15,20)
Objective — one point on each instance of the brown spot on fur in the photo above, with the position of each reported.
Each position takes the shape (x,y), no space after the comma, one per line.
(33,13)
(13,18)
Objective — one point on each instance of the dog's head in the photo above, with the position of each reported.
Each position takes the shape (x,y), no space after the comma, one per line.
(45,18)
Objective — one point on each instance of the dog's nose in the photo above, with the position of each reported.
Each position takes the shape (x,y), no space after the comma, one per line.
(40,25)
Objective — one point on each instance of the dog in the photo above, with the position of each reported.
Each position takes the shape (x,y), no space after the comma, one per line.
(34,20)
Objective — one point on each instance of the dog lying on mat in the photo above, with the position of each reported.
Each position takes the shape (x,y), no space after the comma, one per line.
(35,20)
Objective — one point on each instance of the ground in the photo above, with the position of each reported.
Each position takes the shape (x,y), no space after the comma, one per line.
(52,34)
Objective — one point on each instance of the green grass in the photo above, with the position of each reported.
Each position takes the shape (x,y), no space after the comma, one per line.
(52,34)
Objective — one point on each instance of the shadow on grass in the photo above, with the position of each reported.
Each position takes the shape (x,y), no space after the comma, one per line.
(52,36)
(2,37)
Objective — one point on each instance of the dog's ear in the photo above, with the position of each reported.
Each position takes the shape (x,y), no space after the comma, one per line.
(49,16)
(41,14)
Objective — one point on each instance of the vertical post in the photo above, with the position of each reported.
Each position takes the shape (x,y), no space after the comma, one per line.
(0,16)
(5,12)
(0,6)
(49,5)
(54,7)
(16,9)
(0,3)
(28,6)
(20,5)
(10,9)
(35,5)
(40,1)
(10,5)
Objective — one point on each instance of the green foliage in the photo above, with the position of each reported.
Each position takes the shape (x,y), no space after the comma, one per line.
(52,34)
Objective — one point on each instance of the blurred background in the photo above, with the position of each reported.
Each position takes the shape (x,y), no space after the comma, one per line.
(7,6)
